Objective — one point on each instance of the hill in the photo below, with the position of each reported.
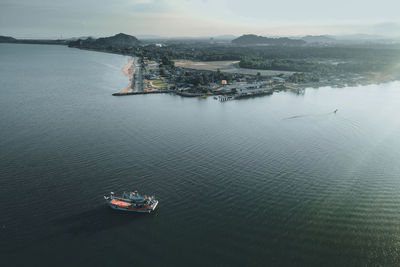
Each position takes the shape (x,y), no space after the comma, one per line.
(118,41)
(252,39)
(7,39)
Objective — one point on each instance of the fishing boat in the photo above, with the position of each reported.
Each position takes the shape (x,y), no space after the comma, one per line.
(132,201)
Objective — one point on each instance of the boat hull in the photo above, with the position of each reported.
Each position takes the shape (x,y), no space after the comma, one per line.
(131,209)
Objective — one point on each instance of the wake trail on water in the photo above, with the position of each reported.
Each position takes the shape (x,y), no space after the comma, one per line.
(308,115)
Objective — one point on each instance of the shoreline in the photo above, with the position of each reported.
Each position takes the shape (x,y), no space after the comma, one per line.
(302,85)
(334,83)
(128,70)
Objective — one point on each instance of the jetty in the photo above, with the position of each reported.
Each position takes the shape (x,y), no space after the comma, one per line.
(144,93)
(188,94)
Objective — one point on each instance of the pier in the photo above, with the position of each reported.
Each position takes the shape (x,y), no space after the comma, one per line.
(143,93)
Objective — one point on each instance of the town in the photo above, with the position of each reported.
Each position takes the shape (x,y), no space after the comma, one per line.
(150,76)
(245,66)
(249,65)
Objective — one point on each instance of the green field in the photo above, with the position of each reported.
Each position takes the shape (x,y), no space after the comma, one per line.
(158,83)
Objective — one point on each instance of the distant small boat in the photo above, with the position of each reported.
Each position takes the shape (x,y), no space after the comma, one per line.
(336,110)
(132,201)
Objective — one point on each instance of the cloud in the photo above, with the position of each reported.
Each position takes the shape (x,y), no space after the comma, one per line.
(197,17)
(150,6)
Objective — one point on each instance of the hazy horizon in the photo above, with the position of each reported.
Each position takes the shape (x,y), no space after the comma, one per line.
(186,18)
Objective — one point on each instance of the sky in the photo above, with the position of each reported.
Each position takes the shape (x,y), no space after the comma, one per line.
(76,18)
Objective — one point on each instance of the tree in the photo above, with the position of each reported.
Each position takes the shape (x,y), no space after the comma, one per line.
(167,61)
(163,72)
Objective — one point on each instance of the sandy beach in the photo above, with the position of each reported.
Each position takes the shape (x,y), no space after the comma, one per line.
(128,69)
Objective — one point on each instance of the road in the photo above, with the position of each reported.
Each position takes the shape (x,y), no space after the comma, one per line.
(137,80)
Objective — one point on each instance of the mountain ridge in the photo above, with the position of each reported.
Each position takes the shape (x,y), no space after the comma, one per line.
(252,39)
(119,41)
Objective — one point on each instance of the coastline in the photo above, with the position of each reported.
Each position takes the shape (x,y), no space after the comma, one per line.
(334,81)
(128,70)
